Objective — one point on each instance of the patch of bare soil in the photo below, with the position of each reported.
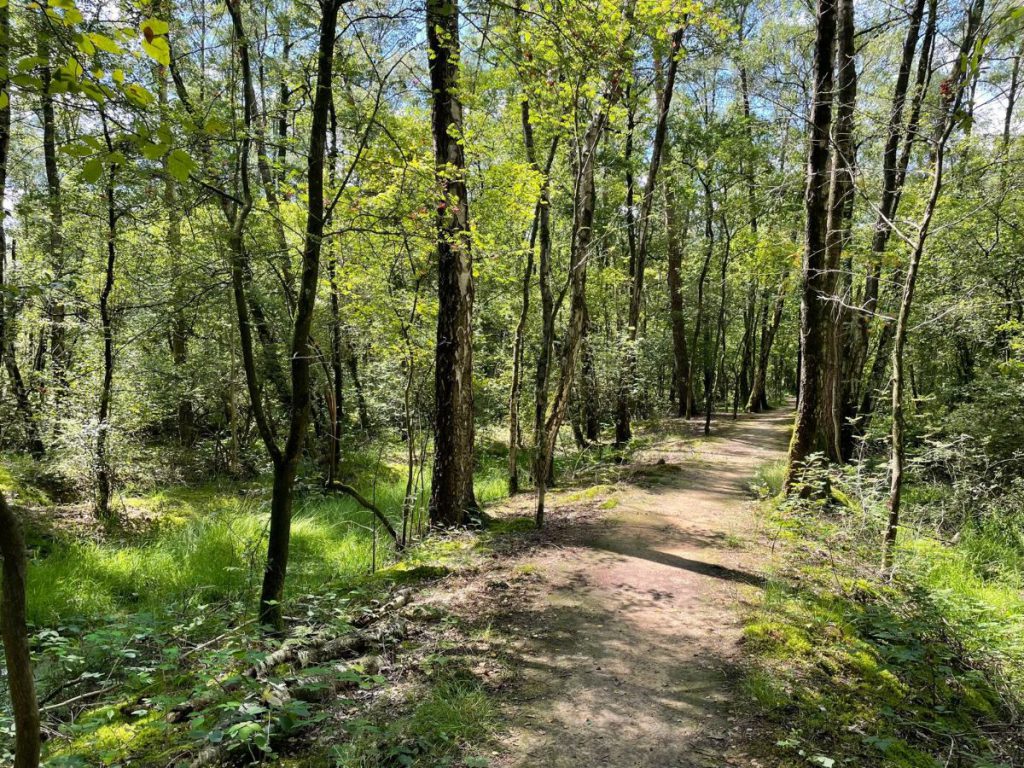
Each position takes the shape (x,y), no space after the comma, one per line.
(622,620)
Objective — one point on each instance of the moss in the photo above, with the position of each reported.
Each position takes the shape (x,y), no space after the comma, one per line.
(407,573)
(106,737)
(519,524)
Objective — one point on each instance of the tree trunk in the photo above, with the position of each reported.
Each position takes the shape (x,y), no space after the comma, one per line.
(714,360)
(699,324)
(625,404)
(103,511)
(178,336)
(951,100)
(584,202)
(540,212)
(300,353)
(858,326)
(682,384)
(588,386)
(451,492)
(1011,96)
(841,198)
(874,383)
(14,631)
(7,320)
(758,400)
(337,411)
(814,324)
(56,309)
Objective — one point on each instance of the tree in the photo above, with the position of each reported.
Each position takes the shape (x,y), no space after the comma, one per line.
(14,631)
(951,98)
(816,283)
(452,486)
(623,430)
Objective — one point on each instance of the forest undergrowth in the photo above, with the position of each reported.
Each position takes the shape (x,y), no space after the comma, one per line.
(128,624)
(925,670)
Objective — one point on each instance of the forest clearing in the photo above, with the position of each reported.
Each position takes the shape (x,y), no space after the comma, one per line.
(544,383)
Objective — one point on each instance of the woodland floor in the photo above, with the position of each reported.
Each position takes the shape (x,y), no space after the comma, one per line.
(622,621)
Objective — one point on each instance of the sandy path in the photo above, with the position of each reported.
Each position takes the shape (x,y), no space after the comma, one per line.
(625,631)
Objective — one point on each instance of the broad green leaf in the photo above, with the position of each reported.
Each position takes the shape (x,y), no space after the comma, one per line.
(180,164)
(92,170)
(85,45)
(139,95)
(154,151)
(158,50)
(104,43)
(155,27)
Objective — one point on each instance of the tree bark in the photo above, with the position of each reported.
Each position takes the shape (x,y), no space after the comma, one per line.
(625,404)
(841,198)
(7,318)
(758,400)
(858,326)
(103,511)
(1011,97)
(874,383)
(676,238)
(807,432)
(55,304)
(14,631)
(541,211)
(951,99)
(300,353)
(451,492)
(584,203)
(699,325)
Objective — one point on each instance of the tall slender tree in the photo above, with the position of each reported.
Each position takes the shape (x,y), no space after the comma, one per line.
(452,488)
(815,281)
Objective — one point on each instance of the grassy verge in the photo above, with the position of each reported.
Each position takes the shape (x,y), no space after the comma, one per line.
(926,671)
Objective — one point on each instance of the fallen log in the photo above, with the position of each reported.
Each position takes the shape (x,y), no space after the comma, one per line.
(300,655)
(315,688)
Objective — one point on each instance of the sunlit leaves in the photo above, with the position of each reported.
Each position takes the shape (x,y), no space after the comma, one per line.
(154,43)
(180,164)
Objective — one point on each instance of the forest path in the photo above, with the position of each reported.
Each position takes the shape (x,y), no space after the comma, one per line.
(625,633)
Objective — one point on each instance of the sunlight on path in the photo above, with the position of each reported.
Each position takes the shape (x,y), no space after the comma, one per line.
(629,644)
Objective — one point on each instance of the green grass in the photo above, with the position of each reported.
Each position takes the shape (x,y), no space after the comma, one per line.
(912,674)
(438,727)
(209,553)
(769,478)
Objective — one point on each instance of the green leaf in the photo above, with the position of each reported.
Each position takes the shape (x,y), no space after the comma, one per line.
(138,94)
(154,151)
(104,43)
(92,170)
(158,50)
(180,164)
(155,27)
(84,44)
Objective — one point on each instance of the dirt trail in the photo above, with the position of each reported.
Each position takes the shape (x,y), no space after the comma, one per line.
(625,626)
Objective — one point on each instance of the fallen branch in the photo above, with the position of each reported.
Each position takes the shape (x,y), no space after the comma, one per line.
(300,655)
(366,504)
(76,699)
(316,688)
